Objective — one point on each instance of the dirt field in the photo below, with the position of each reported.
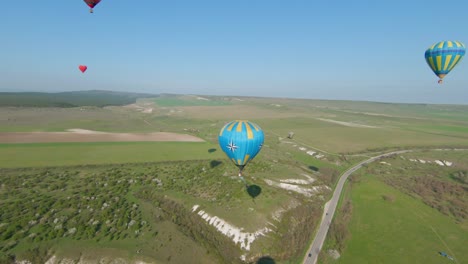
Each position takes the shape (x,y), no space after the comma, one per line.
(81,135)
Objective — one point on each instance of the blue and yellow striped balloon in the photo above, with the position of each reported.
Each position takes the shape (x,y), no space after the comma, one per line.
(443,56)
(241,140)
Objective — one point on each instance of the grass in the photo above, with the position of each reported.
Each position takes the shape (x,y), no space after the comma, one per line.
(65,154)
(190,101)
(76,196)
(341,139)
(338,138)
(397,125)
(53,196)
(376,223)
(456,129)
(168,244)
(402,231)
(69,99)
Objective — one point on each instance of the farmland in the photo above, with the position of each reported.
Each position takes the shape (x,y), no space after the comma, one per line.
(418,199)
(159,183)
(69,99)
(171,101)
(65,154)
(323,124)
(387,230)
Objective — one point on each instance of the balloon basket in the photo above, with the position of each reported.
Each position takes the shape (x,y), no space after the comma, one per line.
(242,178)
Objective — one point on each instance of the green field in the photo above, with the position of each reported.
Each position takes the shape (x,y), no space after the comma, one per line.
(188,101)
(400,231)
(65,154)
(406,206)
(340,133)
(364,126)
(69,99)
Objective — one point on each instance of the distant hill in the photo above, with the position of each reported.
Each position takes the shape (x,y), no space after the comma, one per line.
(98,98)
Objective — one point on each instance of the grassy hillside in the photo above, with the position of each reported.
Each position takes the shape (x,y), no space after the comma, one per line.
(400,230)
(94,212)
(404,211)
(147,208)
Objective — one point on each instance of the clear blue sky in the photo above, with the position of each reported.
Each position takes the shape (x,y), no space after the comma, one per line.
(355,50)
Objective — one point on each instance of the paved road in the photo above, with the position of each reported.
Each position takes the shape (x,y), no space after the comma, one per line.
(330,207)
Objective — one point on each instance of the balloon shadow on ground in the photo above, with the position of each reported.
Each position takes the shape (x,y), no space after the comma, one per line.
(265,260)
(253,190)
(215,163)
(211,150)
(313,168)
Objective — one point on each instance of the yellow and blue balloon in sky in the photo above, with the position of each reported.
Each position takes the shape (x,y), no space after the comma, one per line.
(443,56)
(241,140)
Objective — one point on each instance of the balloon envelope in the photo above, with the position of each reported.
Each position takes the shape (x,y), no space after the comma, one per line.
(241,140)
(443,56)
(82,68)
(92,3)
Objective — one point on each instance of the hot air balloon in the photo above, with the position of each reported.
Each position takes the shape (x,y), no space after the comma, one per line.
(82,68)
(92,4)
(443,56)
(241,140)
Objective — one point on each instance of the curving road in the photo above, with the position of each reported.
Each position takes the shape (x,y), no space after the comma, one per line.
(330,207)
